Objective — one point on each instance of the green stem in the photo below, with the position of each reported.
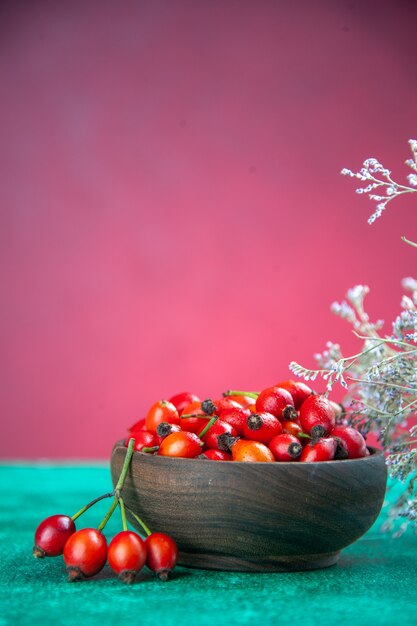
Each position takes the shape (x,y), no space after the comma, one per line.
(123,513)
(207,426)
(139,521)
(108,515)
(87,506)
(250,394)
(199,415)
(150,449)
(125,467)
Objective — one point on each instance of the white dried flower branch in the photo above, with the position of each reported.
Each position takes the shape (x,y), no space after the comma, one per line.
(379,177)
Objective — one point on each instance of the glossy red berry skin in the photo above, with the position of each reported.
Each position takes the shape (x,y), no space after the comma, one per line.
(193,424)
(236,417)
(143,439)
(161,411)
(214,407)
(162,554)
(352,439)
(285,447)
(216,455)
(319,450)
(298,390)
(181,445)
(218,428)
(292,427)
(182,400)
(52,534)
(262,427)
(85,553)
(126,555)
(317,416)
(277,401)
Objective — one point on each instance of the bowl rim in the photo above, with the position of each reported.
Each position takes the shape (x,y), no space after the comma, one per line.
(374,453)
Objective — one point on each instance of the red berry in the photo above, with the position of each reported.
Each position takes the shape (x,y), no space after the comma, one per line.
(298,390)
(182,444)
(244,401)
(292,427)
(352,439)
(216,455)
(85,553)
(285,447)
(143,439)
(317,416)
(162,554)
(161,411)
(218,428)
(277,401)
(261,427)
(52,534)
(236,417)
(214,407)
(250,451)
(319,450)
(126,555)
(164,429)
(181,400)
(193,424)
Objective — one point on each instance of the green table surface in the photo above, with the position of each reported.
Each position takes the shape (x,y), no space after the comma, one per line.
(373,582)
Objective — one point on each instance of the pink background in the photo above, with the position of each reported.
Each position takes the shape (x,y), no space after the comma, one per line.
(172,213)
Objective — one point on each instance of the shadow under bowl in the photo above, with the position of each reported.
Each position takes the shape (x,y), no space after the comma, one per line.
(254,517)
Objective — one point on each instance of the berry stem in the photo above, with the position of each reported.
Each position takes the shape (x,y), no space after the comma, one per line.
(152,449)
(208,425)
(137,518)
(233,392)
(187,415)
(125,468)
(123,513)
(87,506)
(108,515)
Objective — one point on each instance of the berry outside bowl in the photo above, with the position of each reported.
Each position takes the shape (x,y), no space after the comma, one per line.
(254,517)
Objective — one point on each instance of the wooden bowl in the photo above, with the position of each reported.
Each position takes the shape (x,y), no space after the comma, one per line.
(254,516)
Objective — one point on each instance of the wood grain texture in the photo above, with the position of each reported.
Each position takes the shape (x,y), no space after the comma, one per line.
(254,516)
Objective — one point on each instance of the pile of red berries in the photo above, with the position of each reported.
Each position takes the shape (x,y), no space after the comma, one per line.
(86,551)
(286,422)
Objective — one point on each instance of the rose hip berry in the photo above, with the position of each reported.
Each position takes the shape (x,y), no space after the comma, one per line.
(161,411)
(162,554)
(277,401)
(218,428)
(126,555)
(143,439)
(261,427)
(236,417)
(245,450)
(182,444)
(319,450)
(193,424)
(352,439)
(214,407)
(216,455)
(317,416)
(85,553)
(52,534)
(285,447)
(298,390)
(183,399)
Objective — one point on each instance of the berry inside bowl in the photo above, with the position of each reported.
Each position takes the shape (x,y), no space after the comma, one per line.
(255,517)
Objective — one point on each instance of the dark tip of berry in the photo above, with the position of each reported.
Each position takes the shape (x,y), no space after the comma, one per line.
(318,431)
(294,449)
(38,552)
(208,407)
(341,451)
(163,575)
(289,412)
(127,576)
(163,429)
(225,441)
(254,421)
(74,574)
